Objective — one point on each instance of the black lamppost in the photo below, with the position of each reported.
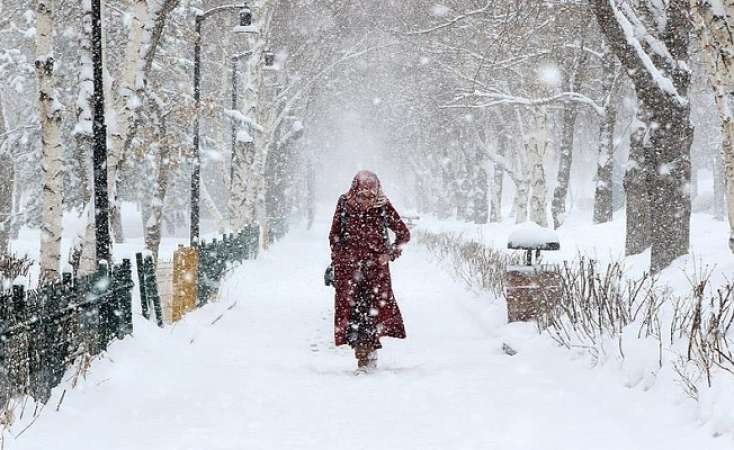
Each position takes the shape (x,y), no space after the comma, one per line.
(101,200)
(245,15)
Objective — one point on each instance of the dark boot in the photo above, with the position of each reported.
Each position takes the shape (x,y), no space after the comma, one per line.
(362,353)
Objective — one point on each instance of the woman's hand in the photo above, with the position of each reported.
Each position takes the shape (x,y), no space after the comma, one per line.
(392,254)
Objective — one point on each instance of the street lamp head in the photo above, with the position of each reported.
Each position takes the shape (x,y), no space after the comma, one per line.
(245,16)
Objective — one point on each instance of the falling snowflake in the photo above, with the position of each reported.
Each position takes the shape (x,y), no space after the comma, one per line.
(550,75)
(440,10)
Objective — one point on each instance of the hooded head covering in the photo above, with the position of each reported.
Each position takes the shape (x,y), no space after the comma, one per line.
(366,182)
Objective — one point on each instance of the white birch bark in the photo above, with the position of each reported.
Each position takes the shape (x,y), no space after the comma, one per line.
(211,205)
(88,258)
(154,222)
(254,209)
(125,103)
(517,168)
(241,204)
(7,182)
(719,207)
(52,153)
(495,214)
(717,42)
(521,200)
(83,132)
(536,153)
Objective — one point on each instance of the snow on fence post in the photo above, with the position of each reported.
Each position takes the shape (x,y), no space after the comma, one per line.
(533,287)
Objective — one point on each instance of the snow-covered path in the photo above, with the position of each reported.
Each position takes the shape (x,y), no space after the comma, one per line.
(265,375)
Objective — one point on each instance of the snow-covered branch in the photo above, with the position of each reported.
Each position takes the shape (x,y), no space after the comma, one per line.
(632,27)
(499,99)
(453,21)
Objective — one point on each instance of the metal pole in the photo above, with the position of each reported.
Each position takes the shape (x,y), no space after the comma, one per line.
(196,173)
(101,200)
(245,19)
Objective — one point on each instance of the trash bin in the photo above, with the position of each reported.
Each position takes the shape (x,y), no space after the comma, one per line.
(533,287)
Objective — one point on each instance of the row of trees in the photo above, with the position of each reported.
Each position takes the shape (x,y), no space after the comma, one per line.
(465,97)
(255,88)
(506,91)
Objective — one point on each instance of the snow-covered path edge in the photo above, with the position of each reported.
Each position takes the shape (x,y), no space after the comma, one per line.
(265,375)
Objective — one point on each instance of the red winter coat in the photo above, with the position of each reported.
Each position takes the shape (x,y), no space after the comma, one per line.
(358,259)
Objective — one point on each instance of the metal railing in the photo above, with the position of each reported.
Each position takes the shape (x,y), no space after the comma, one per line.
(213,258)
(43,331)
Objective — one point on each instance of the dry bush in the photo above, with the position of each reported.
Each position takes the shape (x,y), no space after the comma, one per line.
(706,323)
(479,266)
(597,304)
(13,266)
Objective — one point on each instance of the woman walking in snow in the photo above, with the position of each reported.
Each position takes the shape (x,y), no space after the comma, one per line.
(365,307)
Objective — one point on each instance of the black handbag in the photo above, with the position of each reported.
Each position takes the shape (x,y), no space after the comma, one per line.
(329,272)
(329,276)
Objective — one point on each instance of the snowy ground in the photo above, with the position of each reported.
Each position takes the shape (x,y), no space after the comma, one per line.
(266,376)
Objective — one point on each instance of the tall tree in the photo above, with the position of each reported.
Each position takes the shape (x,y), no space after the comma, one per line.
(603,208)
(7,181)
(50,117)
(714,22)
(651,41)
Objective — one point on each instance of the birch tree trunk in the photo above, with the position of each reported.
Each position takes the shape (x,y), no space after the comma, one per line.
(125,102)
(495,214)
(536,153)
(717,43)
(161,169)
(83,133)
(211,206)
(247,180)
(241,206)
(558,208)
(522,188)
(256,96)
(570,109)
(52,153)
(603,206)
(83,130)
(719,207)
(88,256)
(7,178)
(481,196)
(7,182)
(603,210)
